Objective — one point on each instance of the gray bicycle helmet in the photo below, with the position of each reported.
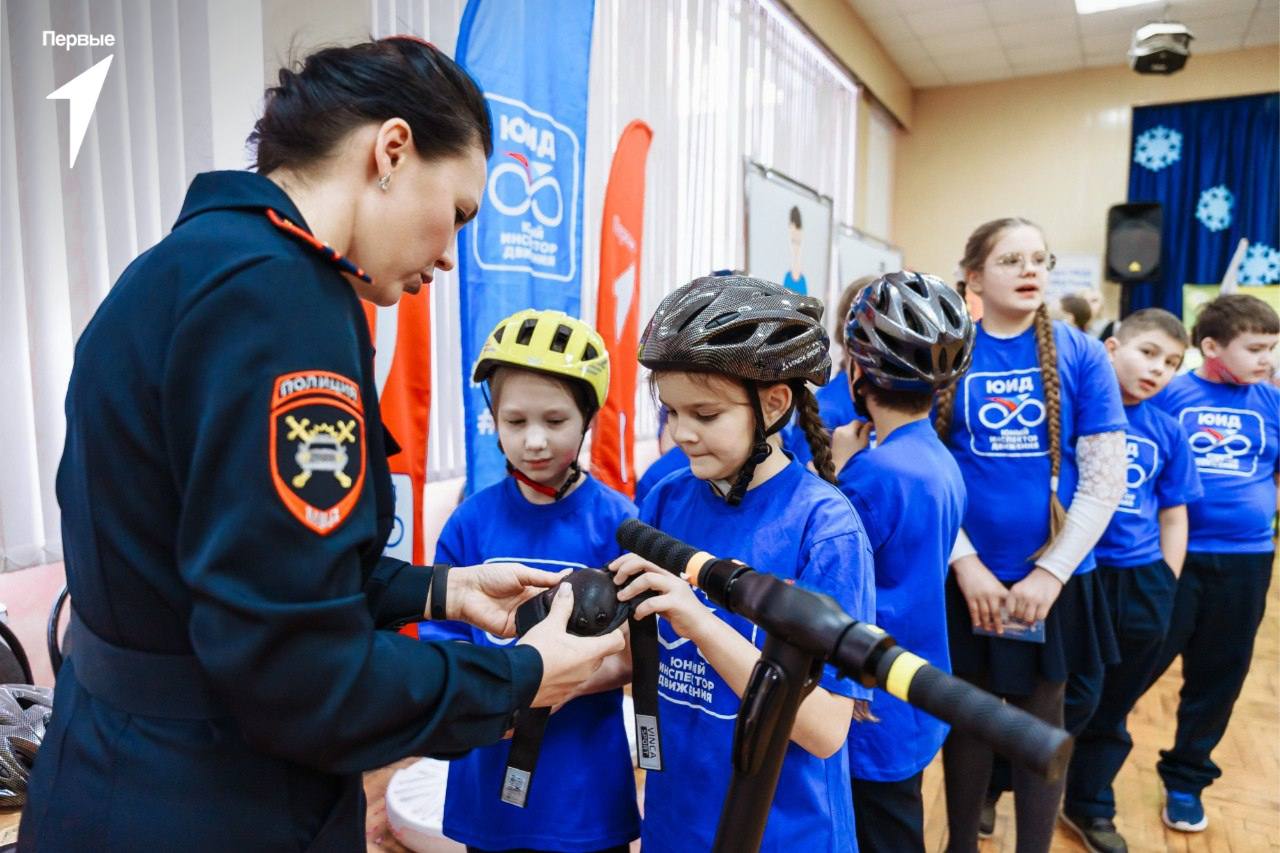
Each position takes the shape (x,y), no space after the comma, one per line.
(746,328)
(24,713)
(743,327)
(909,332)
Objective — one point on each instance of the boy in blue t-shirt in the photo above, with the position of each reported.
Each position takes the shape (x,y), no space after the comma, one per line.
(1139,559)
(548,375)
(908,492)
(1230,415)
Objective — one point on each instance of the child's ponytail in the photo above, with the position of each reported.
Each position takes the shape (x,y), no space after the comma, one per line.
(1047,351)
(815,432)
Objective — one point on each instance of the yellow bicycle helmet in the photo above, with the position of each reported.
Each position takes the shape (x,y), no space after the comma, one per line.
(548,342)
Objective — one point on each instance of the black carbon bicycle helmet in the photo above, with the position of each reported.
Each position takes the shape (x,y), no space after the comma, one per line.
(748,329)
(743,327)
(909,332)
(24,714)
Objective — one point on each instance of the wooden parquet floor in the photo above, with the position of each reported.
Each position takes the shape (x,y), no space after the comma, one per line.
(1243,806)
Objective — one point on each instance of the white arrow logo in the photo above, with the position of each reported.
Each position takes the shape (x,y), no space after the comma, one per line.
(82,92)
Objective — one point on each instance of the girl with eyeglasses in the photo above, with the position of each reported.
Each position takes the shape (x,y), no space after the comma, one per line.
(1037,428)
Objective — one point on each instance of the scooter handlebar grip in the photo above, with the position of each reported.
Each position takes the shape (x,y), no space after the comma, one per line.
(655,546)
(1023,738)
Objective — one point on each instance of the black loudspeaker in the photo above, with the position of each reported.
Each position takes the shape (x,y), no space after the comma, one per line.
(1133,242)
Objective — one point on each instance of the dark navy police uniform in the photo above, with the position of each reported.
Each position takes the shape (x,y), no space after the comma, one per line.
(225,501)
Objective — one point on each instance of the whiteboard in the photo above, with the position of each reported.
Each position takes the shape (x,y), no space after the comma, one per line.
(860,254)
(777,250)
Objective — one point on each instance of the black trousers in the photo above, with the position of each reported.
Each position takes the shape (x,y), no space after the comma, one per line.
(1219,606)
(889,815)
(1141,604)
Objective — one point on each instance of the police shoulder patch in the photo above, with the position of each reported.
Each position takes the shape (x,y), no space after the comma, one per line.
(317,446)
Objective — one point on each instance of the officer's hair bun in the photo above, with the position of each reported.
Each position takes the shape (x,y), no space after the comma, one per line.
(335,90)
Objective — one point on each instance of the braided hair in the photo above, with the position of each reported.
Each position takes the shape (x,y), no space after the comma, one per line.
(976,250)
(815,432)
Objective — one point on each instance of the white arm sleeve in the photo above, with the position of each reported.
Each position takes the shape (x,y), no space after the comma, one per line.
(963,547)
(1101,459)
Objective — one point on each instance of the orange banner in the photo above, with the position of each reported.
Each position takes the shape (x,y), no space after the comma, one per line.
(618,308)
(405,395)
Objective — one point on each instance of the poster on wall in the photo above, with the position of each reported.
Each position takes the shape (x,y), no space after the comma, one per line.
(788,232)
(1074,272)
(859,254)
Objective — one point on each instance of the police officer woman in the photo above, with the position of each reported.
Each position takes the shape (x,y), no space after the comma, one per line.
(226,498)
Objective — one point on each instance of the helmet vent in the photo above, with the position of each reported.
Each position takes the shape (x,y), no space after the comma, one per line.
(727,317)
(526,331)
(785,334)
(589,354)
(497,333)
(736,335)
(560,339)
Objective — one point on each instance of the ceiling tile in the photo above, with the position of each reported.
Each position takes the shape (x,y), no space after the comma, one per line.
(976,76)
(1104,60)
(1264,26)
(1228,27)
(1179,9)
(1117,42)
(971,63)
(1047,66)
(1120,20)
(978,41)
(890,29)
(1216,45)
(1053,29)
(1016,11)
(1049,51)
(953,19)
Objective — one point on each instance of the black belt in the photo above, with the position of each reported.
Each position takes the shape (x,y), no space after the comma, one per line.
(596,611)
(148,684)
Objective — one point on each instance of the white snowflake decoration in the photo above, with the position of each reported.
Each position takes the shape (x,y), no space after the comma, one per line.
(1158,147)
(1261,265)
(1214,209)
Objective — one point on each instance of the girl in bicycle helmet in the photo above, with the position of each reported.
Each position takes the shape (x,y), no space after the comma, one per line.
(1037,427)
(548,374)
(730,357)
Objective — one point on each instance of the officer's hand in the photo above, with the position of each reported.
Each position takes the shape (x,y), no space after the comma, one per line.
(488,595)
(567,661)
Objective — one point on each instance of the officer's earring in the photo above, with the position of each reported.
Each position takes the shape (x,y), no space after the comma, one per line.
(384,182)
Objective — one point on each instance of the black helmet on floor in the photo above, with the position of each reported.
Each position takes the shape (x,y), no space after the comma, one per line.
(24,713)
(743,327)
(909,332)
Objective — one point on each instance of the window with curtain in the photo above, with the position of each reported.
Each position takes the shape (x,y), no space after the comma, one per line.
(68,232)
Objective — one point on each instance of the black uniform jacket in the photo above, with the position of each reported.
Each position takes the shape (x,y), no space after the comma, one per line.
(225,501)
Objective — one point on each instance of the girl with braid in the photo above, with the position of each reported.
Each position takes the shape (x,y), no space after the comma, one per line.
(730,357)
(1037,428)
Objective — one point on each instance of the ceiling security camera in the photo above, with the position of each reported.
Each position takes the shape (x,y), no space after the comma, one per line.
(1160,48)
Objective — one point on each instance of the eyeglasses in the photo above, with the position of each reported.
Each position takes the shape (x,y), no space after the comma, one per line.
(1013,261)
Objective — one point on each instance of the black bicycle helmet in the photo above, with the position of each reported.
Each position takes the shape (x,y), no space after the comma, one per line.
(909,332)
(743,327)
(746,328)
(24,714)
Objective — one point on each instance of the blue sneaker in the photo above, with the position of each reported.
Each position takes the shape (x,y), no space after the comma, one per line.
(1183,812)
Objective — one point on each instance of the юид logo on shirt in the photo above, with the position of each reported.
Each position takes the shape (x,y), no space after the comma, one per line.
(1223,440)
(1142,458)
(1005,413)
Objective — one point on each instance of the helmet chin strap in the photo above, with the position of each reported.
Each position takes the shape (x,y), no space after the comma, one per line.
(1217,371)
(760,449)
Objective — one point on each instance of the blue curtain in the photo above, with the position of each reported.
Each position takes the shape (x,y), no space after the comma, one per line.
(1214,167)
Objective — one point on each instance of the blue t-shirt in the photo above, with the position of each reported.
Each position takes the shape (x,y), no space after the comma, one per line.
(1159,474)
(799,528)
(673,460)
(910,496)
(584,757)
(1001,441)
(835,402)
(1234,435)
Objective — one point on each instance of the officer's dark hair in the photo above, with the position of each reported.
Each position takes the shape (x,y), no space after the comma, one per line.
(1227,317)
(341,88)
(794,216)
